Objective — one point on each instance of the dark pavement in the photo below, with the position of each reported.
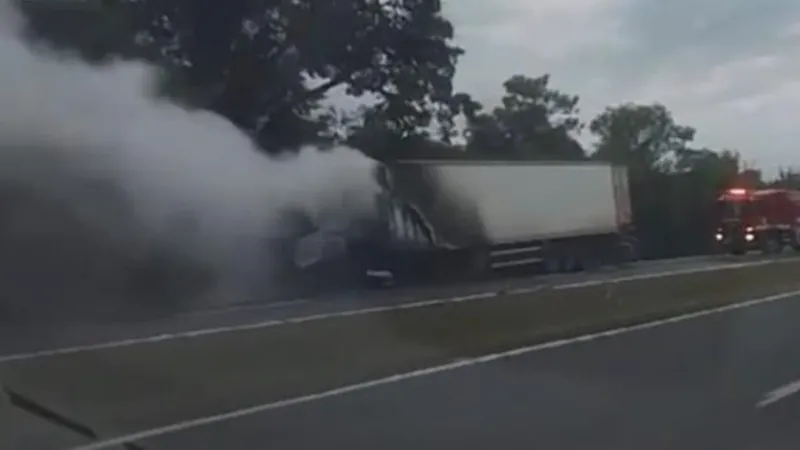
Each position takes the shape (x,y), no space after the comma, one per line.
(32,337)
(687,385)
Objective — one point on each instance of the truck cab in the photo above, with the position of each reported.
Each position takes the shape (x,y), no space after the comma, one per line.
(758,219)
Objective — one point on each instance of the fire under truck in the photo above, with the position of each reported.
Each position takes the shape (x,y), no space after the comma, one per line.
(758,219)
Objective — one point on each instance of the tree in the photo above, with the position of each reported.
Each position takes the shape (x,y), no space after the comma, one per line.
(691,192)
(371,134)
(534,121)
(643,137)
(265,64)
(721,167)
(672,186)
(787,178)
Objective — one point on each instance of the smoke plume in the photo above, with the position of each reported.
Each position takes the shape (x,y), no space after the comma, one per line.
(123,175)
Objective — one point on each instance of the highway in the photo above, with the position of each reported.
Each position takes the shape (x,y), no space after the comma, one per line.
(30,337)
(704,382)
(695,384)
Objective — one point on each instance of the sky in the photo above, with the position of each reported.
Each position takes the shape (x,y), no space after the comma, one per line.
(729,68)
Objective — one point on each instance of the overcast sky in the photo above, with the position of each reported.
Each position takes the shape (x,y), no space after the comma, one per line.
(730,68)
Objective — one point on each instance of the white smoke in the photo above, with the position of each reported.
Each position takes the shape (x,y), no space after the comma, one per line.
(194,181)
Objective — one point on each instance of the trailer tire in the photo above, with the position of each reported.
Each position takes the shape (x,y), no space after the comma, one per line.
(480,263)
(738,251)
(550,264)
(569,262)
(589,261)
(626,251)
(795,239)
(772,245)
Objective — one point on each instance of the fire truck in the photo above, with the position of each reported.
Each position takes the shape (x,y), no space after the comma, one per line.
(758,219)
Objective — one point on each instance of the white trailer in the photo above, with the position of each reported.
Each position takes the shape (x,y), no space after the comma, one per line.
(496,214)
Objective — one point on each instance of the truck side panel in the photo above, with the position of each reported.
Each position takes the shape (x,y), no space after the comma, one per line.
(490,215)
(452,213)
(514,203)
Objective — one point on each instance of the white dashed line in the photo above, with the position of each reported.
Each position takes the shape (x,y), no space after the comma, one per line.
(240,308)
(779,394)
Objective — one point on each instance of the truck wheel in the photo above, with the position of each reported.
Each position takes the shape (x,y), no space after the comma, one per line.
(372,282)
(479,263)
(571,262)
(631,245)
(552,263)
(589,261)
(625,254)
(795,240)
(772,245)
(738,251)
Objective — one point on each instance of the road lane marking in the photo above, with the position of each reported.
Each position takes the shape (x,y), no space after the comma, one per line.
(460,363)
(239,308)
(234,328)
(525,290)
(779,394)
(201,332)
(667,273)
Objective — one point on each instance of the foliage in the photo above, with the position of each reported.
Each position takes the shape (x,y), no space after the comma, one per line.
(673,186)
(788,178)
(645,137)
(534,121)
(267,65)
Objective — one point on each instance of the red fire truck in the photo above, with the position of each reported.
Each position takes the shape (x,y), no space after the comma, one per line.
(758,219)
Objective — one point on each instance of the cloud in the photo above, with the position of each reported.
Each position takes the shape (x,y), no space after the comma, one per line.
(539,27)
(727,67)
(518,36)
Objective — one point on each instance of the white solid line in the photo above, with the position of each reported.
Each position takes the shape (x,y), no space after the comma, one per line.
(340,314)
(779,394)
(233,328)
(235,414)
(238,308)
(669,273)
(522,291)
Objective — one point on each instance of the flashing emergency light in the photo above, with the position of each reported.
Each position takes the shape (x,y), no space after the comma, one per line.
(737,191)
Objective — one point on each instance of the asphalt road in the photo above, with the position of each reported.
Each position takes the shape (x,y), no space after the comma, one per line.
(32,337)
(694,384)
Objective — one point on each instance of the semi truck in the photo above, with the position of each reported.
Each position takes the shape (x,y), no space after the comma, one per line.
(758,219)
(445,219)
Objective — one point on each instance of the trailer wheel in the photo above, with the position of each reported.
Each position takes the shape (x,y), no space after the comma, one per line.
(479,262)
(552,258)
(738,251)
(589,261)
(772,245)
(571,262)
(795,239)
(632,249)
(626,252)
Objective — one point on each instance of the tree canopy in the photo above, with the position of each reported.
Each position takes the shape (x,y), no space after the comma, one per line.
(533,121)
(644,136)
(267,66)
